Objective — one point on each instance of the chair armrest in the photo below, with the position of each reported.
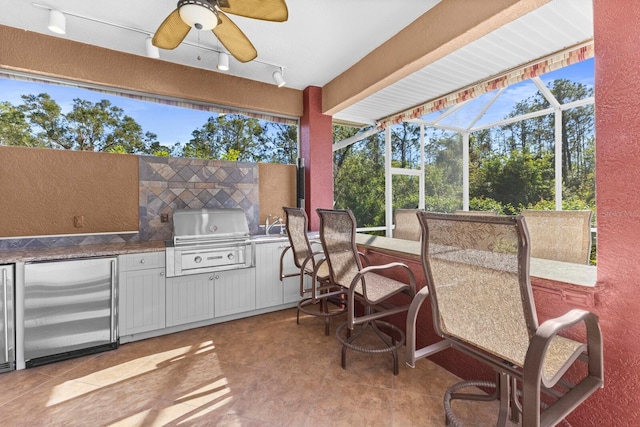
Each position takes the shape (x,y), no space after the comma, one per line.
(317,268)
(364,258)
(282,275)
(536,353)
(549,329)
(376,268)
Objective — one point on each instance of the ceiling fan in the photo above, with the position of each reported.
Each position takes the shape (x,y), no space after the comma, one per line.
(210,15)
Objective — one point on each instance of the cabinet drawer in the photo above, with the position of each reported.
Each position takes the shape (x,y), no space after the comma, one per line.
(141,261)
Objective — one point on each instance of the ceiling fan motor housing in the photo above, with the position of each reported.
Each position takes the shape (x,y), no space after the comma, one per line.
(199,14)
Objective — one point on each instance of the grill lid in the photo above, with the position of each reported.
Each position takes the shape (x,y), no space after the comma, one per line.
(196,225)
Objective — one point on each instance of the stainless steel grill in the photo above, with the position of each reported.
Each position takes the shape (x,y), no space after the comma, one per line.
(206,240)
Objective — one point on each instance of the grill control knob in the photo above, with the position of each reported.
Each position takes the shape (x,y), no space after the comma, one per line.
(198,259)
(231,256)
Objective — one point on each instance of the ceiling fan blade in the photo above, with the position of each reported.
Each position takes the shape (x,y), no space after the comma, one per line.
(171,32)
(234,39)
(266,10)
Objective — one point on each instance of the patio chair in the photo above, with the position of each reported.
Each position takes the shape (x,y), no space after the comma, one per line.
(477,275)
(560,235)
(372,290)
(319,296)
(406,224)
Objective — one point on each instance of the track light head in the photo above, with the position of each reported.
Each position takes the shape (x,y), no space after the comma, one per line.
(57,22)
(223,61)
(152,51)
(279,78)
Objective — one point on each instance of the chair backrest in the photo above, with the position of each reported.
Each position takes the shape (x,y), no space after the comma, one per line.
(490,213)
(338,234)
(477,271)
(406,224)
(296,225)
(560,235)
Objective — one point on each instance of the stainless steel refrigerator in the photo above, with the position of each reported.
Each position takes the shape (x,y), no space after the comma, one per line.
(7,319)
(69,309)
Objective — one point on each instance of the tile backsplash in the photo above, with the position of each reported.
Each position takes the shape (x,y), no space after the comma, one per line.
(166,184)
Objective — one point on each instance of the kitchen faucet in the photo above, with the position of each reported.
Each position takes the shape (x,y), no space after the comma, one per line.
(268,227)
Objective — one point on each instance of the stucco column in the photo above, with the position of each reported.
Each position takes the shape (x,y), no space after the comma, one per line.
(316,137)
(617,84)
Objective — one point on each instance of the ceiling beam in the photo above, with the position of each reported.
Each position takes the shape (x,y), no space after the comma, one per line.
(445,28)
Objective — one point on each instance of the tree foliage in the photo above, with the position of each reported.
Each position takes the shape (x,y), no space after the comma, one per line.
(514,164)
(359,177)
(40,122)
(227,137)
(511,166)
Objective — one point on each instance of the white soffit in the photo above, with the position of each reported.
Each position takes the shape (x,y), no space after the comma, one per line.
(550,28)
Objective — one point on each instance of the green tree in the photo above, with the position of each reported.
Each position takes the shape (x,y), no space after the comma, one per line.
(518,180)
(405,143)
(47,122)
(359,178)
(281,144)
(514,164)
(227,136)
(14,128)
(89,126)
(443,172)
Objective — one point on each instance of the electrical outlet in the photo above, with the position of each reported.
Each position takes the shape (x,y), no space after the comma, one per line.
(164,217)
(78,221)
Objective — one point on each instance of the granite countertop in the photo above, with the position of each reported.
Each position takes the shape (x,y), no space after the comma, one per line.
(575,274)
(108,249)
(79,251)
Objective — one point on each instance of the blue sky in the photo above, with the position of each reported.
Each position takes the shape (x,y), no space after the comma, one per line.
(175,124)
(582,72)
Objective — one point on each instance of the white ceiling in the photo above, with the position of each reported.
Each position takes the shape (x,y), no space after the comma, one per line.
(321,39)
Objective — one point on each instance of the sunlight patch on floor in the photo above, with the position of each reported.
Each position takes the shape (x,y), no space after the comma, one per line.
(114,374)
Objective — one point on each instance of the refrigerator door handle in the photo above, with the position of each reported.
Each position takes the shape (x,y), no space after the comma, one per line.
(113,300)
(6,315)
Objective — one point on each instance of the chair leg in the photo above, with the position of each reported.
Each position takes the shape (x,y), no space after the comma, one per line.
(503,384)
(343,361)
(394,353)
(325,309)
(516,409)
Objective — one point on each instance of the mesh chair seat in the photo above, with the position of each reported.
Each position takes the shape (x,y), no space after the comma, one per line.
(379,288)
(322,272)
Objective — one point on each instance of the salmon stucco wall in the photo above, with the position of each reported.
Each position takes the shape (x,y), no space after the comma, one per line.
(617,83)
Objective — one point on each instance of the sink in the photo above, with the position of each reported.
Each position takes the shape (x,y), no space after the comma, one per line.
(268,238)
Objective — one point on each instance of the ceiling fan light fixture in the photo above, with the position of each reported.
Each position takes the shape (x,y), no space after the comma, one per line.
(57,22)
(152,51)
(279,78)
(223,61)
(198,14)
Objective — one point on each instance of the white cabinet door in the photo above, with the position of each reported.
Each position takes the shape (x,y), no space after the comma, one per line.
(270,291)
(142,301)
(141,295)
(235,291)
(190,298)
